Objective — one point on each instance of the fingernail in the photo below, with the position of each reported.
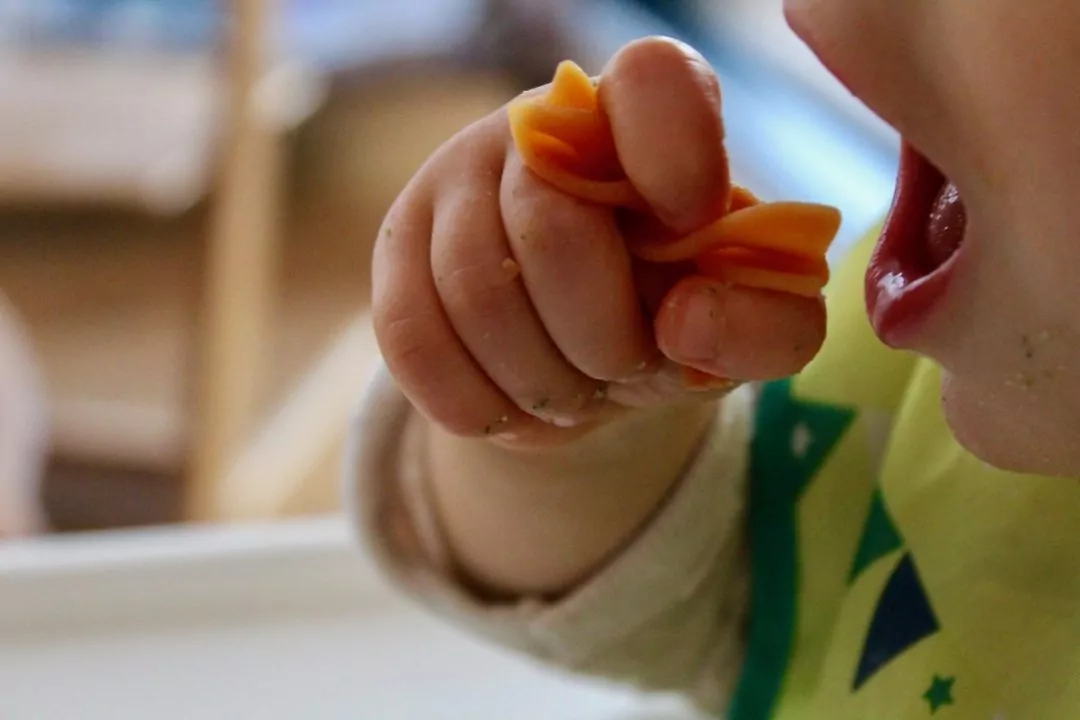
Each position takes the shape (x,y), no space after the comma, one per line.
(700,336)
(701,382)
(568,412)
(571,418)
(645,370)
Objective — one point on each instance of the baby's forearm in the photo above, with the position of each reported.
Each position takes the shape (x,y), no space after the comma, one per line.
(521,522)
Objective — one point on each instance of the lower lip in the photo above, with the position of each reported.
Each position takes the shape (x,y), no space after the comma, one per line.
(902,284)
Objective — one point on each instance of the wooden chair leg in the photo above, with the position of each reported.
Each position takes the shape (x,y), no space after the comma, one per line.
(24,431)
(282,471)
(240,267)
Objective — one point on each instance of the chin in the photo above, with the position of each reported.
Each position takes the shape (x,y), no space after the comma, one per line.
(1001,432)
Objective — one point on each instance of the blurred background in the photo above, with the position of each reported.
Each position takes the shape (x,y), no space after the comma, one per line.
(189,191)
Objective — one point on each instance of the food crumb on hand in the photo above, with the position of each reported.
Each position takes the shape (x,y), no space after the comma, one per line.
(511,268)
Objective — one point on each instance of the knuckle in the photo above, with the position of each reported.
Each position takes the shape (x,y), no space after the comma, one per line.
(476,291)
(405,346)
(546,219)
(652,57)
(423,366)
(640,55)
(476,150)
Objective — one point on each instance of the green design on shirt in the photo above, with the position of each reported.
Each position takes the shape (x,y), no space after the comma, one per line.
(792,441)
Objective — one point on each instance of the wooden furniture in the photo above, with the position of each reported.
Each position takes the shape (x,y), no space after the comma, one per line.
(239,264)
(158,139)
(210,324)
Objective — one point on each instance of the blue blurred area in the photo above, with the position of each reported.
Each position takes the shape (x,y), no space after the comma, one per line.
(178,24)
(328,34)
(679,15)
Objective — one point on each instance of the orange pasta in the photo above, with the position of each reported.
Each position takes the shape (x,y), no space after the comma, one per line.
(565,139)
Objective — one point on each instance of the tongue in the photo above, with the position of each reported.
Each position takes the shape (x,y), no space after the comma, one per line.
(946,228)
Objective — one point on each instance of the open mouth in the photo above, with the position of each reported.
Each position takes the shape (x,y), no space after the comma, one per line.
(913,262)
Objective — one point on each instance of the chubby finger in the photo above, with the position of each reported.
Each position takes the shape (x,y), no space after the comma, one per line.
(739,333)
(663,102)
(578,274)
(479,282)
(420,347)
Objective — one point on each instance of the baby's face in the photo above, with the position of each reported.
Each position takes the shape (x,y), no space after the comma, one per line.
(988,91)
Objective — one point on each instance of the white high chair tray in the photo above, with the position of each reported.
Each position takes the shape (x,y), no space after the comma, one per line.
(269,622)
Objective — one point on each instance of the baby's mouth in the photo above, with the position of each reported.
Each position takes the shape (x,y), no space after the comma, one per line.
(910,268)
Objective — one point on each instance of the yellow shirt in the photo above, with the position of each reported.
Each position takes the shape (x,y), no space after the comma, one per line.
(894,574)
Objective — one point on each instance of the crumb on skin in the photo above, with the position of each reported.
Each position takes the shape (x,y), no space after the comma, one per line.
(511,268)
(1025,381)
(497,425)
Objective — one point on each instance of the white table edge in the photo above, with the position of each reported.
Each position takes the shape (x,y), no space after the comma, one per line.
(136,580)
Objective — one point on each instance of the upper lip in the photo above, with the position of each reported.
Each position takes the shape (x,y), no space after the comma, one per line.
(900,284)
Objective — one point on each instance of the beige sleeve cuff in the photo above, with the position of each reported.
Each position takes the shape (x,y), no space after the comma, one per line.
(666,615)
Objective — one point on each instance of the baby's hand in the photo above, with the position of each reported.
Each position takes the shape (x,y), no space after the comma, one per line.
(506,308)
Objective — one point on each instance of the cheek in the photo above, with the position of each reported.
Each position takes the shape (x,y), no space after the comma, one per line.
(1011,69)
(1025,252)
(1012,359)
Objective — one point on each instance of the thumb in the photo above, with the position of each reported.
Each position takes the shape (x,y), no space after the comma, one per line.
(737,332)
(662,100)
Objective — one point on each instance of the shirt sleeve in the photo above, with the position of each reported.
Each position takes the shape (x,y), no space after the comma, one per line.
(666,615)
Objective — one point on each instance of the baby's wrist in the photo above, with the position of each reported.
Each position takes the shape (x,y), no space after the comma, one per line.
(610,434)
(536,519)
